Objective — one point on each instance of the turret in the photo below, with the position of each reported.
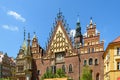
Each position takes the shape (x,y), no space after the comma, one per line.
(24,45)
(35,45)
(28,49)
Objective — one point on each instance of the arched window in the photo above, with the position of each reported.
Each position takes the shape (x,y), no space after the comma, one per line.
(96,61)
(90,61)
(97,76)
(63,68)
(85,62)
(38,72)
(70,68)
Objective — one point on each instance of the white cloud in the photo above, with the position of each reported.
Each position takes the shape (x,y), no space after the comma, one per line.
(72,32)
(16,16)
(11,28)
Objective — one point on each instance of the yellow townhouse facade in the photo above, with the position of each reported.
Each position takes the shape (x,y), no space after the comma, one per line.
(112,60)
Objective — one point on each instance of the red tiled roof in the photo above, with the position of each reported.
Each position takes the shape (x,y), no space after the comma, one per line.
(117,39)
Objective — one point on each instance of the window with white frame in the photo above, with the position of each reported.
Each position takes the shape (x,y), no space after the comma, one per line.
(118,51)
(70,68)
(90,61)
(118,65)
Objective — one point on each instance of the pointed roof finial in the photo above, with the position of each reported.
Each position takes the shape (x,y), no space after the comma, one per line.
(78,18)
(24,33)
(59,15)
(91,20)
(34,35)
(28,35)
(59,10)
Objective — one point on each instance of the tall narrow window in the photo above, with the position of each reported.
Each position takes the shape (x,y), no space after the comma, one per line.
(85,62)
(92,49)
(90,61)
(96,61)
(97,76)
(88,50)
(63,68)
(70,68)
(118,65)
(53,69)
(38,72)
(118,51)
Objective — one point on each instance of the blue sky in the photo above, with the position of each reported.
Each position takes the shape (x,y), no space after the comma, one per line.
(39,15)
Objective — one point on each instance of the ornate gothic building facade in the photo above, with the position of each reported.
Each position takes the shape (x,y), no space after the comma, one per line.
(62,51)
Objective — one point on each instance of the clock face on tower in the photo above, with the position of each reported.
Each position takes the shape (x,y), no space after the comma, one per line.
(59,57)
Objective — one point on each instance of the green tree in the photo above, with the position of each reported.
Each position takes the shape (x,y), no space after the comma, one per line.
(86,74)
(4,79)
(48,74)
(59,74)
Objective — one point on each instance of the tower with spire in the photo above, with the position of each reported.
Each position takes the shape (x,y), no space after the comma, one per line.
(24,60)
(35,48)
(78,39)
(28,60)
(92,51)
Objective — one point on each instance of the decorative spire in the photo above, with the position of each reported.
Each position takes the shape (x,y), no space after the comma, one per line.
(78,19)
(28,36)
(24,33)
(24,45)
(59,15)
(78,35)
(34,35)
(28,49)
(91,20)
